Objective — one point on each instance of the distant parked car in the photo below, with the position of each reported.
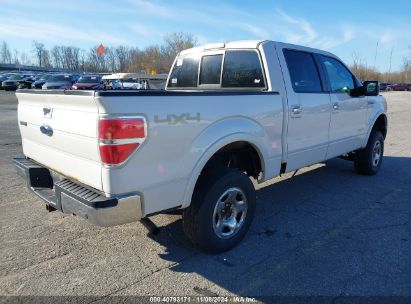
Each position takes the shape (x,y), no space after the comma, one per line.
(399,87)
(88,82)
(60,81)
(26,82)
(3,78)
(38,83)
(110,83)
(137,81)
(383,86)
(130,84)
(12,82)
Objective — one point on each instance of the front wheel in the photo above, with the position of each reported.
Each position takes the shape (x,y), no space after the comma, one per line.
(221,210)
(368,160)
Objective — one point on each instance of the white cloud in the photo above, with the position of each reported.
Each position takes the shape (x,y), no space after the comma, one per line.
(348,35)
(142,29)
(306,31)
(53,32)
(301,31)
(255,30)
(386,38)
(151,7)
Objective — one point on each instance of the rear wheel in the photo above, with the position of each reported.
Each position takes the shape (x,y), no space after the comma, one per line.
(368,160)
(221,211)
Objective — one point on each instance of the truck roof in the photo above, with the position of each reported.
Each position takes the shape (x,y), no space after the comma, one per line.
(249,44)
(135,75)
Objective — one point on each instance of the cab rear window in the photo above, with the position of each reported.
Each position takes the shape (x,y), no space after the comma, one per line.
(185,72)
(242,69)
(235,69)
(210,72)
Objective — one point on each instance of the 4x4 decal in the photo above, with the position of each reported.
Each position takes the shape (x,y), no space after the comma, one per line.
(173,119)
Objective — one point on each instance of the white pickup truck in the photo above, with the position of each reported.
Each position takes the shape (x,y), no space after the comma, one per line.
(230,111)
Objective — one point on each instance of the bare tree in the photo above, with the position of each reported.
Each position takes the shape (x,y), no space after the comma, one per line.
(47,59)
(122,54)
(111,59)
(24,59)
(176,42)
(5,54)
(173,44)
(38,49)
(56,57)
(16,57)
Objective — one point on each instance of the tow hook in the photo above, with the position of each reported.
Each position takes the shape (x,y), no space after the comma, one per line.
(50,208)
(151,227)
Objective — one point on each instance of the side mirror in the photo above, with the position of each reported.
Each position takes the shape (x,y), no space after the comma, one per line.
(371,88)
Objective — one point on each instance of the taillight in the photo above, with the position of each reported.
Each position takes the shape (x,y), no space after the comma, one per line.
(119,138)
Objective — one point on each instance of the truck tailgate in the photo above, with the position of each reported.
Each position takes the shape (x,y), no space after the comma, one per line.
(59,131)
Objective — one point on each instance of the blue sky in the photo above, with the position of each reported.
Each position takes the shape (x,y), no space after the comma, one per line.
(342,27)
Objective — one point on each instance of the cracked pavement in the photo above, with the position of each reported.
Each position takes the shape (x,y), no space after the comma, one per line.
(326,231)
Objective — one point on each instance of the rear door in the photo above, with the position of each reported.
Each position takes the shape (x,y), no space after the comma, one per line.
(59,131)
(309,110)
(349,111)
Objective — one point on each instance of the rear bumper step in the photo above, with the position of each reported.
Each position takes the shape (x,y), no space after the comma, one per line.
(69,197)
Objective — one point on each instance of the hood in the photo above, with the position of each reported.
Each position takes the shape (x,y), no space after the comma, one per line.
(57,84)
(84,86)
(12,81)
(40,81)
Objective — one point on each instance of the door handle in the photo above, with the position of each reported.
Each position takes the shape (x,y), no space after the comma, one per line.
(46,130)
(370,102)
(296,110)
(336,106)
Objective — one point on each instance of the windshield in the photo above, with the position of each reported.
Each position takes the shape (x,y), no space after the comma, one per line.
(15,77)
(42,78)
(129,80)
(57,78)
(89,79)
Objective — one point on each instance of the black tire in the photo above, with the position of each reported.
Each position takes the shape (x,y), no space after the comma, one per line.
(200,219)
(365,162)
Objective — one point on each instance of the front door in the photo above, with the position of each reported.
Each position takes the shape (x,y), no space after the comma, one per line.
(349,111)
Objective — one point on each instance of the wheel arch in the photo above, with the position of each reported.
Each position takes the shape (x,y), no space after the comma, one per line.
(229,141)
(380,123)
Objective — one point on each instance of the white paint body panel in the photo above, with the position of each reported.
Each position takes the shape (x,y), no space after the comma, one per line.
(165,168)
(73,148)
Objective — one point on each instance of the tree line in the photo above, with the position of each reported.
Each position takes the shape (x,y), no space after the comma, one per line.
(115,59)
(155,57)
(363,71)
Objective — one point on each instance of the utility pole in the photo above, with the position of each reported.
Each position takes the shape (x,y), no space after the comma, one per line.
(389,70)
(375,57)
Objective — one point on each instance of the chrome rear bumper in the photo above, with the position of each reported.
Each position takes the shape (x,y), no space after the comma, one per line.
(70,197)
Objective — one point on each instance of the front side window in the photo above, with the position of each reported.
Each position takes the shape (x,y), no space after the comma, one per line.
(340,78)
(303,72)
(242,69)
(184,73)
(210,71)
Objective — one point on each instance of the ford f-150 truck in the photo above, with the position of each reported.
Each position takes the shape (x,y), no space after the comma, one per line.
(230,112)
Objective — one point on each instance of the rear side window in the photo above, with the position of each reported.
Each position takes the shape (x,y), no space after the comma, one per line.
(185,72)
(242,69)
(303,72)
(210,71)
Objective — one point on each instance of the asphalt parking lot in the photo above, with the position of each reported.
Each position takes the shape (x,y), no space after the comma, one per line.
(324,232)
